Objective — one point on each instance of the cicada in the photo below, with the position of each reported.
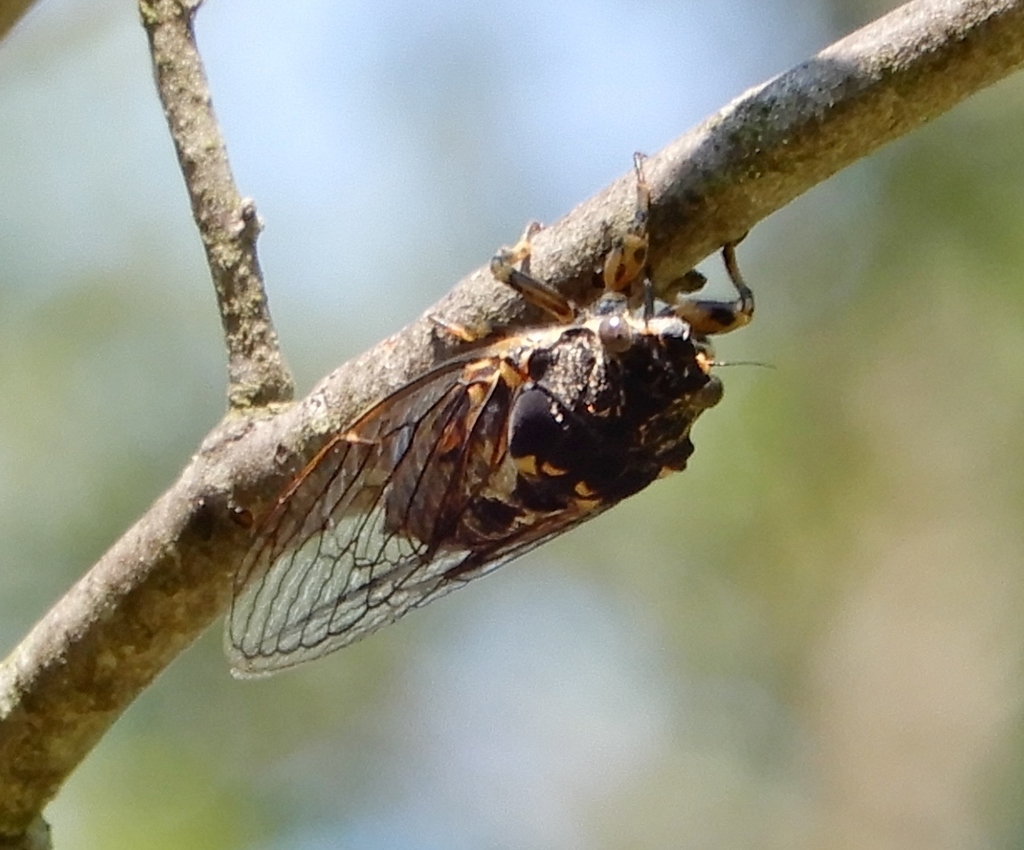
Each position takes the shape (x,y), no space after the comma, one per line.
(483,458)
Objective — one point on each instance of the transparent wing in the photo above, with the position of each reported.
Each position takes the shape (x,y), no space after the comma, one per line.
(368,530)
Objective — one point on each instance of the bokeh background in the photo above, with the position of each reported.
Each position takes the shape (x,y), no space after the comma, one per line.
(812,638)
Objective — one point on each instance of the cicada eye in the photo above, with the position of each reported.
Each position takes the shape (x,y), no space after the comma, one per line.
(615,333)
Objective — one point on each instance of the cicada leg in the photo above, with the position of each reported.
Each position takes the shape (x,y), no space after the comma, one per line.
(457,331)
(625,264)
(536,292)
(711,316)
(626,261)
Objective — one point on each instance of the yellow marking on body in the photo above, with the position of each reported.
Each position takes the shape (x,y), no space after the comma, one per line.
(477,393)
(550,469)
(584,490)
(478,370)
(527,465)
(512,376)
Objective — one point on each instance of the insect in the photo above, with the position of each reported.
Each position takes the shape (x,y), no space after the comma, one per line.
(483,458)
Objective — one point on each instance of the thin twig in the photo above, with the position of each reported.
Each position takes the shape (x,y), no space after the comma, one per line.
(170,576)
(11,12)
(228,224)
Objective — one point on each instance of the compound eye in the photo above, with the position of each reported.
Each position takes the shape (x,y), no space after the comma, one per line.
(615,333)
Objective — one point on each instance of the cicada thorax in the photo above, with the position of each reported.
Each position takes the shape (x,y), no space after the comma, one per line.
(580,428)
(564,434)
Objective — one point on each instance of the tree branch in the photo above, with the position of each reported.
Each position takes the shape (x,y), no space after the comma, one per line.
(170,575)
(227,223)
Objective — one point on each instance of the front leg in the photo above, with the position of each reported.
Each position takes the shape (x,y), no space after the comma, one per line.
(711,316)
